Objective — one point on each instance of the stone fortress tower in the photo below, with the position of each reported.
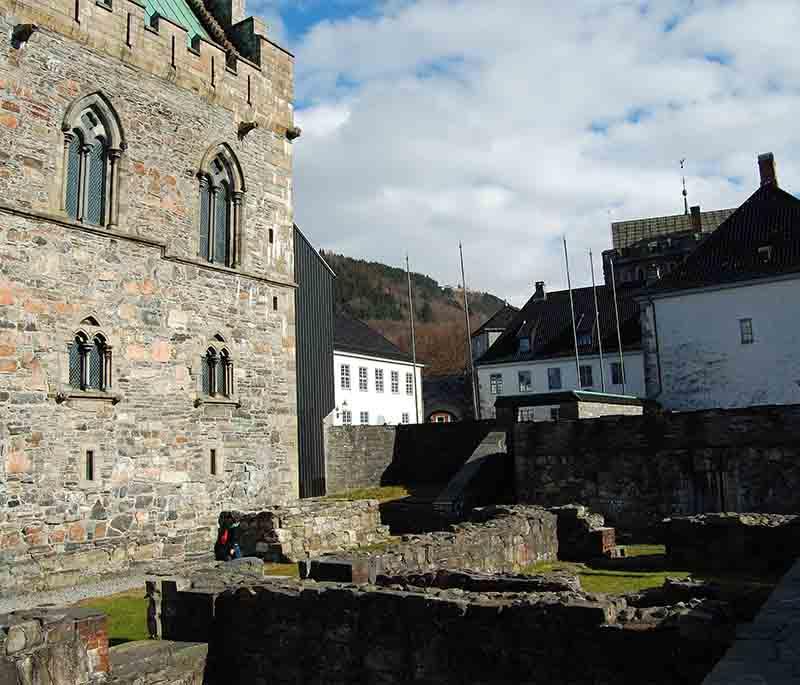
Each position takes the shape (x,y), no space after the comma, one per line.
(147,325)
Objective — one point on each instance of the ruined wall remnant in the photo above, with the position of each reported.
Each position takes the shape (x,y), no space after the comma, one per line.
(53,647)
(501,539)
(291,632)
(636,471)
(309,528)
(729,542)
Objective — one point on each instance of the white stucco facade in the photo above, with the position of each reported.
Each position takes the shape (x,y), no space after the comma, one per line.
(696,356)
(538,369)
(368,401)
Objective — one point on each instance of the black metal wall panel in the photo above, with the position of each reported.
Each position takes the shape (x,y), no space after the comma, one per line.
(314,306)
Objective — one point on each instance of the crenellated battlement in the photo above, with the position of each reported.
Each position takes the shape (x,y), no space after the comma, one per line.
(253,76)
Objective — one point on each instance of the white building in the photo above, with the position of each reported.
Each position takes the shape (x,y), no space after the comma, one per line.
(376,382)
(723,330)
(536,353)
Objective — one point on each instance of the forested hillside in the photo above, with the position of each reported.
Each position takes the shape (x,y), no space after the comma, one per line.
(378,294)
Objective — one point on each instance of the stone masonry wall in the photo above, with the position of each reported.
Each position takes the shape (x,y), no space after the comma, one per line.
(53,647)
(636,471)
(291,632)
(153,494)
(310,528)
(495,540)
(357,456)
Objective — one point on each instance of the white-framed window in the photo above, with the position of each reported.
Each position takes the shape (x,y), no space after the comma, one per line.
(347,417)
(555,413)
(526,414)
(345,376)
(409,384)
(746,331)
(395,382)
(524,345)
(525,381)
(378,380)
(554,378)
(496,383)
(362,379)
(405,418)
(587,380)
(364,418)
(616,373)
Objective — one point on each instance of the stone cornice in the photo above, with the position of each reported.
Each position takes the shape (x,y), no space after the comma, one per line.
(119,235)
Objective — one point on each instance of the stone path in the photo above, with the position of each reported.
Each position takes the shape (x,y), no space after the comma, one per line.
(67,596)
(767,651)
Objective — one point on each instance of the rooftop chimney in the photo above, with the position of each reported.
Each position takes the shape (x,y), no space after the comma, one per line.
(697,225)
(766,167)
(539,293)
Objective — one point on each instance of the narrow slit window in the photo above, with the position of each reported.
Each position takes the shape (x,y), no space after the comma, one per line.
(746,331)
(213,462)
(275,304)
(89,471)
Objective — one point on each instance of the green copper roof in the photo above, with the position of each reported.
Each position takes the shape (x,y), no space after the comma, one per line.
(177,11)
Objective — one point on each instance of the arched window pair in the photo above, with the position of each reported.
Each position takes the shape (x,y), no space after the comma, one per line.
(217,371)
(90,362)
(93,144)
(221,192)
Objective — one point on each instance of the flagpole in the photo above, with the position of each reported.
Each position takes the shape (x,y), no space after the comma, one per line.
(413,340)
(473,385)
(616,314)
(597,323)
(572,312)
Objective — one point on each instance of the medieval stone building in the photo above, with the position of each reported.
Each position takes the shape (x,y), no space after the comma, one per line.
(147,333)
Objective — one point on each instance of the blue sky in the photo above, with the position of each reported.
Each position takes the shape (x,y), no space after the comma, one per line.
(505,124)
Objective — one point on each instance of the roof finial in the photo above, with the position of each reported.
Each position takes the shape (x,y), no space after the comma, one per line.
(683,180)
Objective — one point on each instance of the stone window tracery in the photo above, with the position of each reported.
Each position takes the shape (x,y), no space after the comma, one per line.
(221,195)
(216,373)
(93,145)
(89,362)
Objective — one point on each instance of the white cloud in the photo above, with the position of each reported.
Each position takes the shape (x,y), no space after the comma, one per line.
(445,120)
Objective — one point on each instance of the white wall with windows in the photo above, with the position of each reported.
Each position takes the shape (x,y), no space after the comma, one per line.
(558,375)
(374,391)
(726,347)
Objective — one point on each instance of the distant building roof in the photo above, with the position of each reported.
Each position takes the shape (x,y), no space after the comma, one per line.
(547,322)
(499,320)
(627,233)
(544,399)
(352,335)
(760,239)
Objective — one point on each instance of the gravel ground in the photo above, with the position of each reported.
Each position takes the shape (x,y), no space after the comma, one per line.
(108,585)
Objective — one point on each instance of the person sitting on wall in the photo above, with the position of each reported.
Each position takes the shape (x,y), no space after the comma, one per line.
(227,546)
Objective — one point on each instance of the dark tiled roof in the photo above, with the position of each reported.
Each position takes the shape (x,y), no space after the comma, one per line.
(352,335)
(548,324)
(499,320)
(626,233)
(770,217)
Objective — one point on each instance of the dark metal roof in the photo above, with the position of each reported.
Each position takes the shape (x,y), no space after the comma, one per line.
(542,399)
(548,324)
(352,335)
(499,320)
(769,218)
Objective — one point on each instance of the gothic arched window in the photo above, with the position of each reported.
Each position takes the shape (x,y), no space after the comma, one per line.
(221,190)
(89,362)
(93,143)
(216,373)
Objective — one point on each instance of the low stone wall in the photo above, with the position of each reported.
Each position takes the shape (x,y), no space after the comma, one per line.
(731,542)
(292,632)
(582,535)
(502,539)
(638,470)
(368,456)
(53,647)
(309,528)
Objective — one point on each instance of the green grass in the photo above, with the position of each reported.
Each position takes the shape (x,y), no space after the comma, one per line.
(127,615)
(643,550)
(290,570)
(385,493)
